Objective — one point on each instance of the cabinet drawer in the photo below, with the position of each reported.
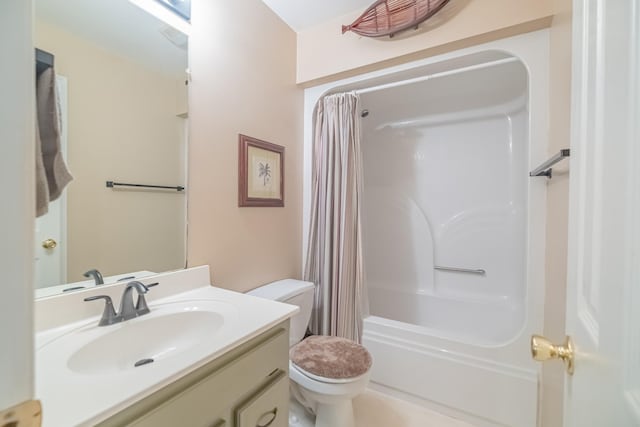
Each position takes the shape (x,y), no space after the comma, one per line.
(268,407)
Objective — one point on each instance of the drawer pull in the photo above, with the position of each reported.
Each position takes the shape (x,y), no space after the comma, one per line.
(270,416)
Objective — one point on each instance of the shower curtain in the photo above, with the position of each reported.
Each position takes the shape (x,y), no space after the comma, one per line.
(334,254)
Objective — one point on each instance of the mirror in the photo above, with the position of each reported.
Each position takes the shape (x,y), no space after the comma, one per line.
(121,84)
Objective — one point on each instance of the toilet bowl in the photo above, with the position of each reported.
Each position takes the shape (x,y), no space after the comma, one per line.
(330,399)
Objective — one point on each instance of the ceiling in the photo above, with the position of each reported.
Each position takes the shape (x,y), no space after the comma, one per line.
(303,14)
(120,27)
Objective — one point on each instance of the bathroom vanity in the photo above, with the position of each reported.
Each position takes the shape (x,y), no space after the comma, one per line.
(248,386)
(203,356)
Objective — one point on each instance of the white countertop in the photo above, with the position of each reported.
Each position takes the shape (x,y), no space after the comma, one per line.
(70,398)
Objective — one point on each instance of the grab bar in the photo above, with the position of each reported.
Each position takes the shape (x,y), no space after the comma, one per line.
(461,270)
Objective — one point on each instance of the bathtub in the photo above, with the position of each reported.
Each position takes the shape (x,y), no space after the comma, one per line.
(454,341)
(485,321)
(479,384)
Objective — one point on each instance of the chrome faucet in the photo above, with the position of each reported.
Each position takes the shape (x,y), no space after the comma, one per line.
(127,309)
(97,277)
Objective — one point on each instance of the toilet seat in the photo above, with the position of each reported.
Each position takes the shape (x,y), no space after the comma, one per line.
(349,387)
(325,379)
(325,358)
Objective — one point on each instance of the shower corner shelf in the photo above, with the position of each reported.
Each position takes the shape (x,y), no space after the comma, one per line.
(545,168)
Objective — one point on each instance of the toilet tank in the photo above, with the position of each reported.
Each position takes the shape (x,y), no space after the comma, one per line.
(295,292)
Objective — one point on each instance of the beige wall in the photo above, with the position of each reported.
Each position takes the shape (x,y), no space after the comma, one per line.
(243,61)
(557,210)
(123,127)
(324,53)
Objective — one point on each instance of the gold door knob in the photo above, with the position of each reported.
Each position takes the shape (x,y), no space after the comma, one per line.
(542,349)
(49,244)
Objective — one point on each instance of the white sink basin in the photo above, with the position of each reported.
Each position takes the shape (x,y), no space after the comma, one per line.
(169,331)
(149,340)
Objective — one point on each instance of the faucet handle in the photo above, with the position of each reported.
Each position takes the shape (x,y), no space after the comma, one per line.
(141,304)
(109,313)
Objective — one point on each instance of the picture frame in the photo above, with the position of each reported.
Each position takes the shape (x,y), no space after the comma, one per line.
(260,173)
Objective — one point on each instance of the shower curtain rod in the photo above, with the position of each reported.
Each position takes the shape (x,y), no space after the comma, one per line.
(435,75)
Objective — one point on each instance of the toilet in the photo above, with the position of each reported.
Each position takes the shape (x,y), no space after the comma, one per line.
(335,370)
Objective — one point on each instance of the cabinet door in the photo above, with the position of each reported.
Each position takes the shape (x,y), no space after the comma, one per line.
(268,407)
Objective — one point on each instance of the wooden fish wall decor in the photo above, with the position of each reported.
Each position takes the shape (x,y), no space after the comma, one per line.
(388,17)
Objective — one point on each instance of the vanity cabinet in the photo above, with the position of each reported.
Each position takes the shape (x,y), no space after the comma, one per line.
(245,387)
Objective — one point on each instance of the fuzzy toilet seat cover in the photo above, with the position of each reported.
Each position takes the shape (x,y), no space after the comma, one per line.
(331,357)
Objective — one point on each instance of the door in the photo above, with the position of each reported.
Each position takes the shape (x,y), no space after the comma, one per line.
(51,228)
(603,296)
(17,169)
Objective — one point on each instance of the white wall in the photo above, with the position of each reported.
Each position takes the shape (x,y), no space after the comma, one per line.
(17,160)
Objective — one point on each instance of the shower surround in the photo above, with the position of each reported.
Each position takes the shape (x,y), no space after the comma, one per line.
(453,227)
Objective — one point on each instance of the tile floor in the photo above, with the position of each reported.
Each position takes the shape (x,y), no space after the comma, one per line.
(374,409)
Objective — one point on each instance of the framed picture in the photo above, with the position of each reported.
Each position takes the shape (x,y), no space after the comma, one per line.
(261,173)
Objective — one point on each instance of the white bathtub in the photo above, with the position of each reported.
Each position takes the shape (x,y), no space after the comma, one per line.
(455,342)
(489,322)
(479,384)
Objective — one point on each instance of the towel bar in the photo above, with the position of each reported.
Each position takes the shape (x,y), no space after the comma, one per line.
(111,184)
(545,168)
